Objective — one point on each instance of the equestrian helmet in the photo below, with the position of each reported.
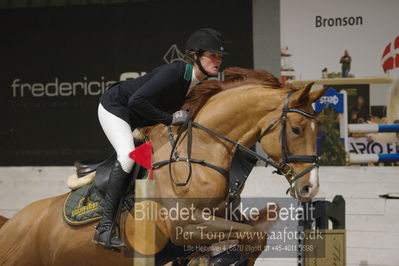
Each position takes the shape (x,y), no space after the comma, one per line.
(206,39)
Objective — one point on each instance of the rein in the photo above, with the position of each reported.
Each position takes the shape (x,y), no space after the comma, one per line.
(283,168)
(175,157)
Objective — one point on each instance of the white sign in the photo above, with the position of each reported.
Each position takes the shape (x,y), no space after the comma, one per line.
(317,32)
(363,146)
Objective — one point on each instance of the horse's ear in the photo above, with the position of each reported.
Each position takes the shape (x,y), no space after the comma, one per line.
(300,97)
(315,95)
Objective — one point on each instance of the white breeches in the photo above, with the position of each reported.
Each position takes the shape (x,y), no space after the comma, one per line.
(120,135)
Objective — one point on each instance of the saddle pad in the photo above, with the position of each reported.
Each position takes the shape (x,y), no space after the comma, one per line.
(84,205)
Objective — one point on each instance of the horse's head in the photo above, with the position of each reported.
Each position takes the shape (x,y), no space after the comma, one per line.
(290,140)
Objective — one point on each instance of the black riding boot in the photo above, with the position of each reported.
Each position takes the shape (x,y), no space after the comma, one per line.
(117,183)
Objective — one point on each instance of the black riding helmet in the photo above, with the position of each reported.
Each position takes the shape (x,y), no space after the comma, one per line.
(202,40)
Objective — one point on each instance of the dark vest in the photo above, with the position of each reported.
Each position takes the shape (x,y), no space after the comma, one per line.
(150,99)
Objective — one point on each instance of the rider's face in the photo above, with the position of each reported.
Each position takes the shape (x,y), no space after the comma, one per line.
(211,62)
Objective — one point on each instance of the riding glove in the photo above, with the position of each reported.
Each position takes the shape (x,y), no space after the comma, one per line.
(180,117)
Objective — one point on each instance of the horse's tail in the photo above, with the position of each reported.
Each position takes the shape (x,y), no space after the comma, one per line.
(3,220)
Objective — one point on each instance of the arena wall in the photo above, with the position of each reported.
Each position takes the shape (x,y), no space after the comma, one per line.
(371,222)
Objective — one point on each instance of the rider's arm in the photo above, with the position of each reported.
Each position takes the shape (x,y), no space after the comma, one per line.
(140,100)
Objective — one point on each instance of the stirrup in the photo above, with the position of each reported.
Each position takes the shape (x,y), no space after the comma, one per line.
(109,236)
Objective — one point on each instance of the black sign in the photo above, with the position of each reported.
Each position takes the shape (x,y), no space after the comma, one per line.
(56,62)
(358,102)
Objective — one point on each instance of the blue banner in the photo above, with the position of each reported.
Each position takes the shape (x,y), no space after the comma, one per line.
(333,98)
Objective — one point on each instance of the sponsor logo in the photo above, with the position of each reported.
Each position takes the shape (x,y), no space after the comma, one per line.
(329,99)
(333,98)
(173,54)
(84,208)
(131,75)
(321,22)
(61,88)
(364,146)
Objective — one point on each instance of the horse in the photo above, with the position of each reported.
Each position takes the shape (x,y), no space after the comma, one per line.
(253,106)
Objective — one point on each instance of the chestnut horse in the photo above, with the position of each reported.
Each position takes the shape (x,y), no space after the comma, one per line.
(244,110)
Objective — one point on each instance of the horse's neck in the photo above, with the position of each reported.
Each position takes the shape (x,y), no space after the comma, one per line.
(236,113)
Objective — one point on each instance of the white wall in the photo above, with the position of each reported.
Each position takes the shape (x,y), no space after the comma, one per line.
(266,38)
(314,48)
(379,94)
(266,35)
(371,222)
(20,186)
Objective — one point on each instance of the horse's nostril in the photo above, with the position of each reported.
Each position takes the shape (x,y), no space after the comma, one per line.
(305,190)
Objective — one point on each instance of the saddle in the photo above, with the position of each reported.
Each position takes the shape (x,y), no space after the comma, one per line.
(102,169)
(85,204)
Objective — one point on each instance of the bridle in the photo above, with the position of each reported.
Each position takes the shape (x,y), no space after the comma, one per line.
(283,168)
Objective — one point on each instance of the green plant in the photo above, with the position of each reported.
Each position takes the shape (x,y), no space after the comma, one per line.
(332,149)
(333,75)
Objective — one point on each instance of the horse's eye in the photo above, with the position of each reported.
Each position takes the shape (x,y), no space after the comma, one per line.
(296,130)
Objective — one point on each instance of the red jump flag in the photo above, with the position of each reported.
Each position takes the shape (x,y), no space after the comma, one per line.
(143,156)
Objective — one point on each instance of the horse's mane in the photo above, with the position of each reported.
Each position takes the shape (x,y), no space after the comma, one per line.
(233,77)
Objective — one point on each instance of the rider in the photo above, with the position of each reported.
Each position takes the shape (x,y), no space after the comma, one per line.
(146,101)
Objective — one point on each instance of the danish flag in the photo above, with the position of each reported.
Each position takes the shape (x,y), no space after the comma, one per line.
(390,57)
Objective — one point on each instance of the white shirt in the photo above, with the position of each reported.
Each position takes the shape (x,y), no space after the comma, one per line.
(194,82)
